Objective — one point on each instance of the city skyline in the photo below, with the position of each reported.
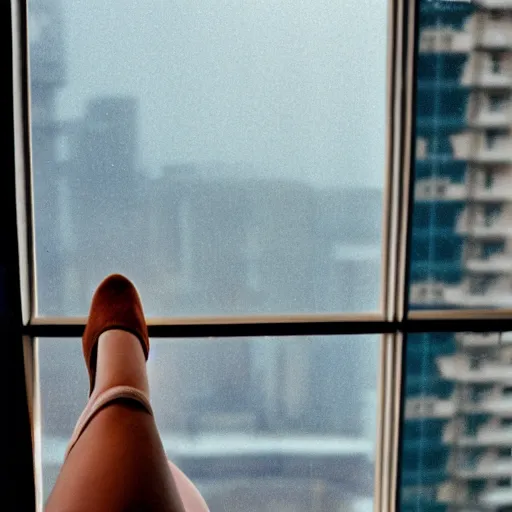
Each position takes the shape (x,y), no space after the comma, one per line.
(212,234)
(208,239)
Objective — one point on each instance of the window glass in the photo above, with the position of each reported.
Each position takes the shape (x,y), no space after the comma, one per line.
(295,416)
(460,238)
(456,443)
(228,157)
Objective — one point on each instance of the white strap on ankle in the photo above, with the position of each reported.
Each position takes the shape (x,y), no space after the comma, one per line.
(93,406)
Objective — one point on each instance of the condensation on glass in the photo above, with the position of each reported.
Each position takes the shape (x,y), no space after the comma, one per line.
(461,252)
(456,449)
(228,157)
(258,424)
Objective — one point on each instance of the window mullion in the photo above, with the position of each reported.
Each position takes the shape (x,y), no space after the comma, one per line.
(18,483)
(400,136)
(387,446)
(401,130)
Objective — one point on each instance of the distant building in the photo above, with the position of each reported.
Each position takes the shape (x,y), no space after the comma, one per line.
(108,217)
(350,230)
(234,246)
(200,244)
(47,77)
(241,246)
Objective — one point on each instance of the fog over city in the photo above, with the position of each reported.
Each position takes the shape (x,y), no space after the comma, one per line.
(229,158)
(291,88)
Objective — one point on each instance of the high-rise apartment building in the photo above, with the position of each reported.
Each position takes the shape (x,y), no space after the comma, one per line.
(457,432)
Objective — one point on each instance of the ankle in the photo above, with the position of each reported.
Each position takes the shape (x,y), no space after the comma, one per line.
(120,362)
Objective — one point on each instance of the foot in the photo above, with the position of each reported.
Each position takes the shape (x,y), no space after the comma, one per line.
(115,306)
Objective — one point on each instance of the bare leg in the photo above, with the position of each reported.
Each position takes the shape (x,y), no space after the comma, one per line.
(118,464)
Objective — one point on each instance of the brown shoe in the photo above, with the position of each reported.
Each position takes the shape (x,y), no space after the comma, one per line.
(115,305)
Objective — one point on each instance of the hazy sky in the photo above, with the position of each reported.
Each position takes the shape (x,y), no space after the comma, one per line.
(294,88)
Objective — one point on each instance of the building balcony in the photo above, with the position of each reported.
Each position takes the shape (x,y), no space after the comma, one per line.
(496,264)
(490,184)
(481,71)
(488,110)
(496,230)
(492,222)
(500,437)
(495,4)
(496,498)
(439,189)
(457,495)
(498,155)
(458,368)
(492,33)
(486,119)
(473,146)
(494,403)
(496,38)
(428,293)
(462,114)
(429,407)
(482,340)
(461,296)
(495,194)
(488,434)
(445,40)
(487,468)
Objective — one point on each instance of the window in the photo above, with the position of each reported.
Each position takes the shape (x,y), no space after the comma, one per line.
(491,138)
(219,174)
(496,16)
(492,214)
(474,362)
(437,293)
(249,168)
(495,62)
(497,102)
(478,285)
(488,178)
(466,416)
(248,395)
(446,41)
(428,42)
(244,135)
